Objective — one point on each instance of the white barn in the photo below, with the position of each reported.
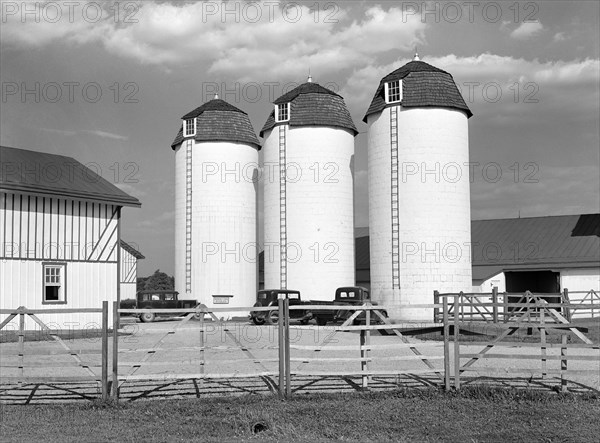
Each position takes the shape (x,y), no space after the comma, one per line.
(59,231)
(129,259)
(539,254)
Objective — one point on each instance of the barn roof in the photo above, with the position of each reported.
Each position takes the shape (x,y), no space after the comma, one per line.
(423,85)
(137,254)
(53,175)
(217,120)
(563,241)
(518,244)
(313,105)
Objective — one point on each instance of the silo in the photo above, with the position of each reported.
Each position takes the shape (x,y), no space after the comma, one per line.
(216,167)
(419,202)
(307,171)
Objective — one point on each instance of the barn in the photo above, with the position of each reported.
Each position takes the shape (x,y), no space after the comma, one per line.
(60,227)
(541,254)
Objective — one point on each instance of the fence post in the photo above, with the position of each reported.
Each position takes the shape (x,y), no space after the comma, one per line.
(505,307)
(446,344)
(105,350)
(202,341)
(288,379)
(436,310)
(461,305)
(567,302)
(281,347)
(21,343)
(115,353)
(563,363)
(543,340)
(365,340)
(495,302)
(456,343)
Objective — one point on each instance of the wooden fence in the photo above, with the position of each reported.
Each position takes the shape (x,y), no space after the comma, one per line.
(454,315)
(81,357)
(531,313)
(497,306)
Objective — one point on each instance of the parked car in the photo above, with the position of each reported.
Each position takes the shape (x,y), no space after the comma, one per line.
(350,295)
(157,300)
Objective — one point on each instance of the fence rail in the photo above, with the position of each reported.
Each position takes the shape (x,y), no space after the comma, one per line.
(493,315)
(78,362)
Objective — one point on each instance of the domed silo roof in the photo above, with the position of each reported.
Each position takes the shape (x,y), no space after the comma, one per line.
(217,120)
(423,85)
(313,105)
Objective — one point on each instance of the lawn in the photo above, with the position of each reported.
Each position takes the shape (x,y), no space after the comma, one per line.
(474,415)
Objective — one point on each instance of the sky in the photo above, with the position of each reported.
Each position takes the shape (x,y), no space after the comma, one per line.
(108,82)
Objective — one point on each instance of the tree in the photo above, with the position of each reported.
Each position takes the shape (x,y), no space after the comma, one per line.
(159,281)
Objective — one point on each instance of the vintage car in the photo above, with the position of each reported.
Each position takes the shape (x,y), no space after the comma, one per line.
(157,299)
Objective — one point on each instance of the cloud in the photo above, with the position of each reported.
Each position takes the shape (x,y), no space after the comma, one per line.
(105,134)
(559,87)
(560,37)
(96,132)
(238,39)
(527,30)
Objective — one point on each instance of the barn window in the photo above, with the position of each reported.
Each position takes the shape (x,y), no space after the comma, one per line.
(393,91)
(55,288)
(282,112)
(189,127)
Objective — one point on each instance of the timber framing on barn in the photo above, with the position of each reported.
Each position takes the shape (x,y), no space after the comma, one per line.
(60,226)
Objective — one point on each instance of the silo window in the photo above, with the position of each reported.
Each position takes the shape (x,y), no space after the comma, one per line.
(393,91)
(282,112)
(189,127)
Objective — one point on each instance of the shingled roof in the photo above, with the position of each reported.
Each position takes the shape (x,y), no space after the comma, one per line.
(217,120)
(314,105)
(52,175)
(423,85)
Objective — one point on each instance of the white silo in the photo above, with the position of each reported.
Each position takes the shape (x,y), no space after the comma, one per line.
(419,202)
(216,167)
(308,160)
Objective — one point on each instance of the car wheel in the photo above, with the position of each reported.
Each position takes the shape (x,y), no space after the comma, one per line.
(273,317)
(147,317)
(321,321)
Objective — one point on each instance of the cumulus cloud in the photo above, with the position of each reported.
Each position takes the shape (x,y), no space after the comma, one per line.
(568,87)
(526,30)
(239,39)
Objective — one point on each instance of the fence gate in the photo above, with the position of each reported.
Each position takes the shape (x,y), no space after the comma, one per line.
(83,359)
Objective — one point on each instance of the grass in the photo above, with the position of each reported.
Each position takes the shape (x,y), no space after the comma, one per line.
(473,415)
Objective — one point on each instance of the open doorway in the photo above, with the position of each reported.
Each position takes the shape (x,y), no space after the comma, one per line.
(547,282)
(537,282)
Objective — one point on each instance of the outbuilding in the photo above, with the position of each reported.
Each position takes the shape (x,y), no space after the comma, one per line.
(60,228)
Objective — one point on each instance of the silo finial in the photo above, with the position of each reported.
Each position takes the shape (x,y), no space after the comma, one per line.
(416,57)
(216,95)
(309,76)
